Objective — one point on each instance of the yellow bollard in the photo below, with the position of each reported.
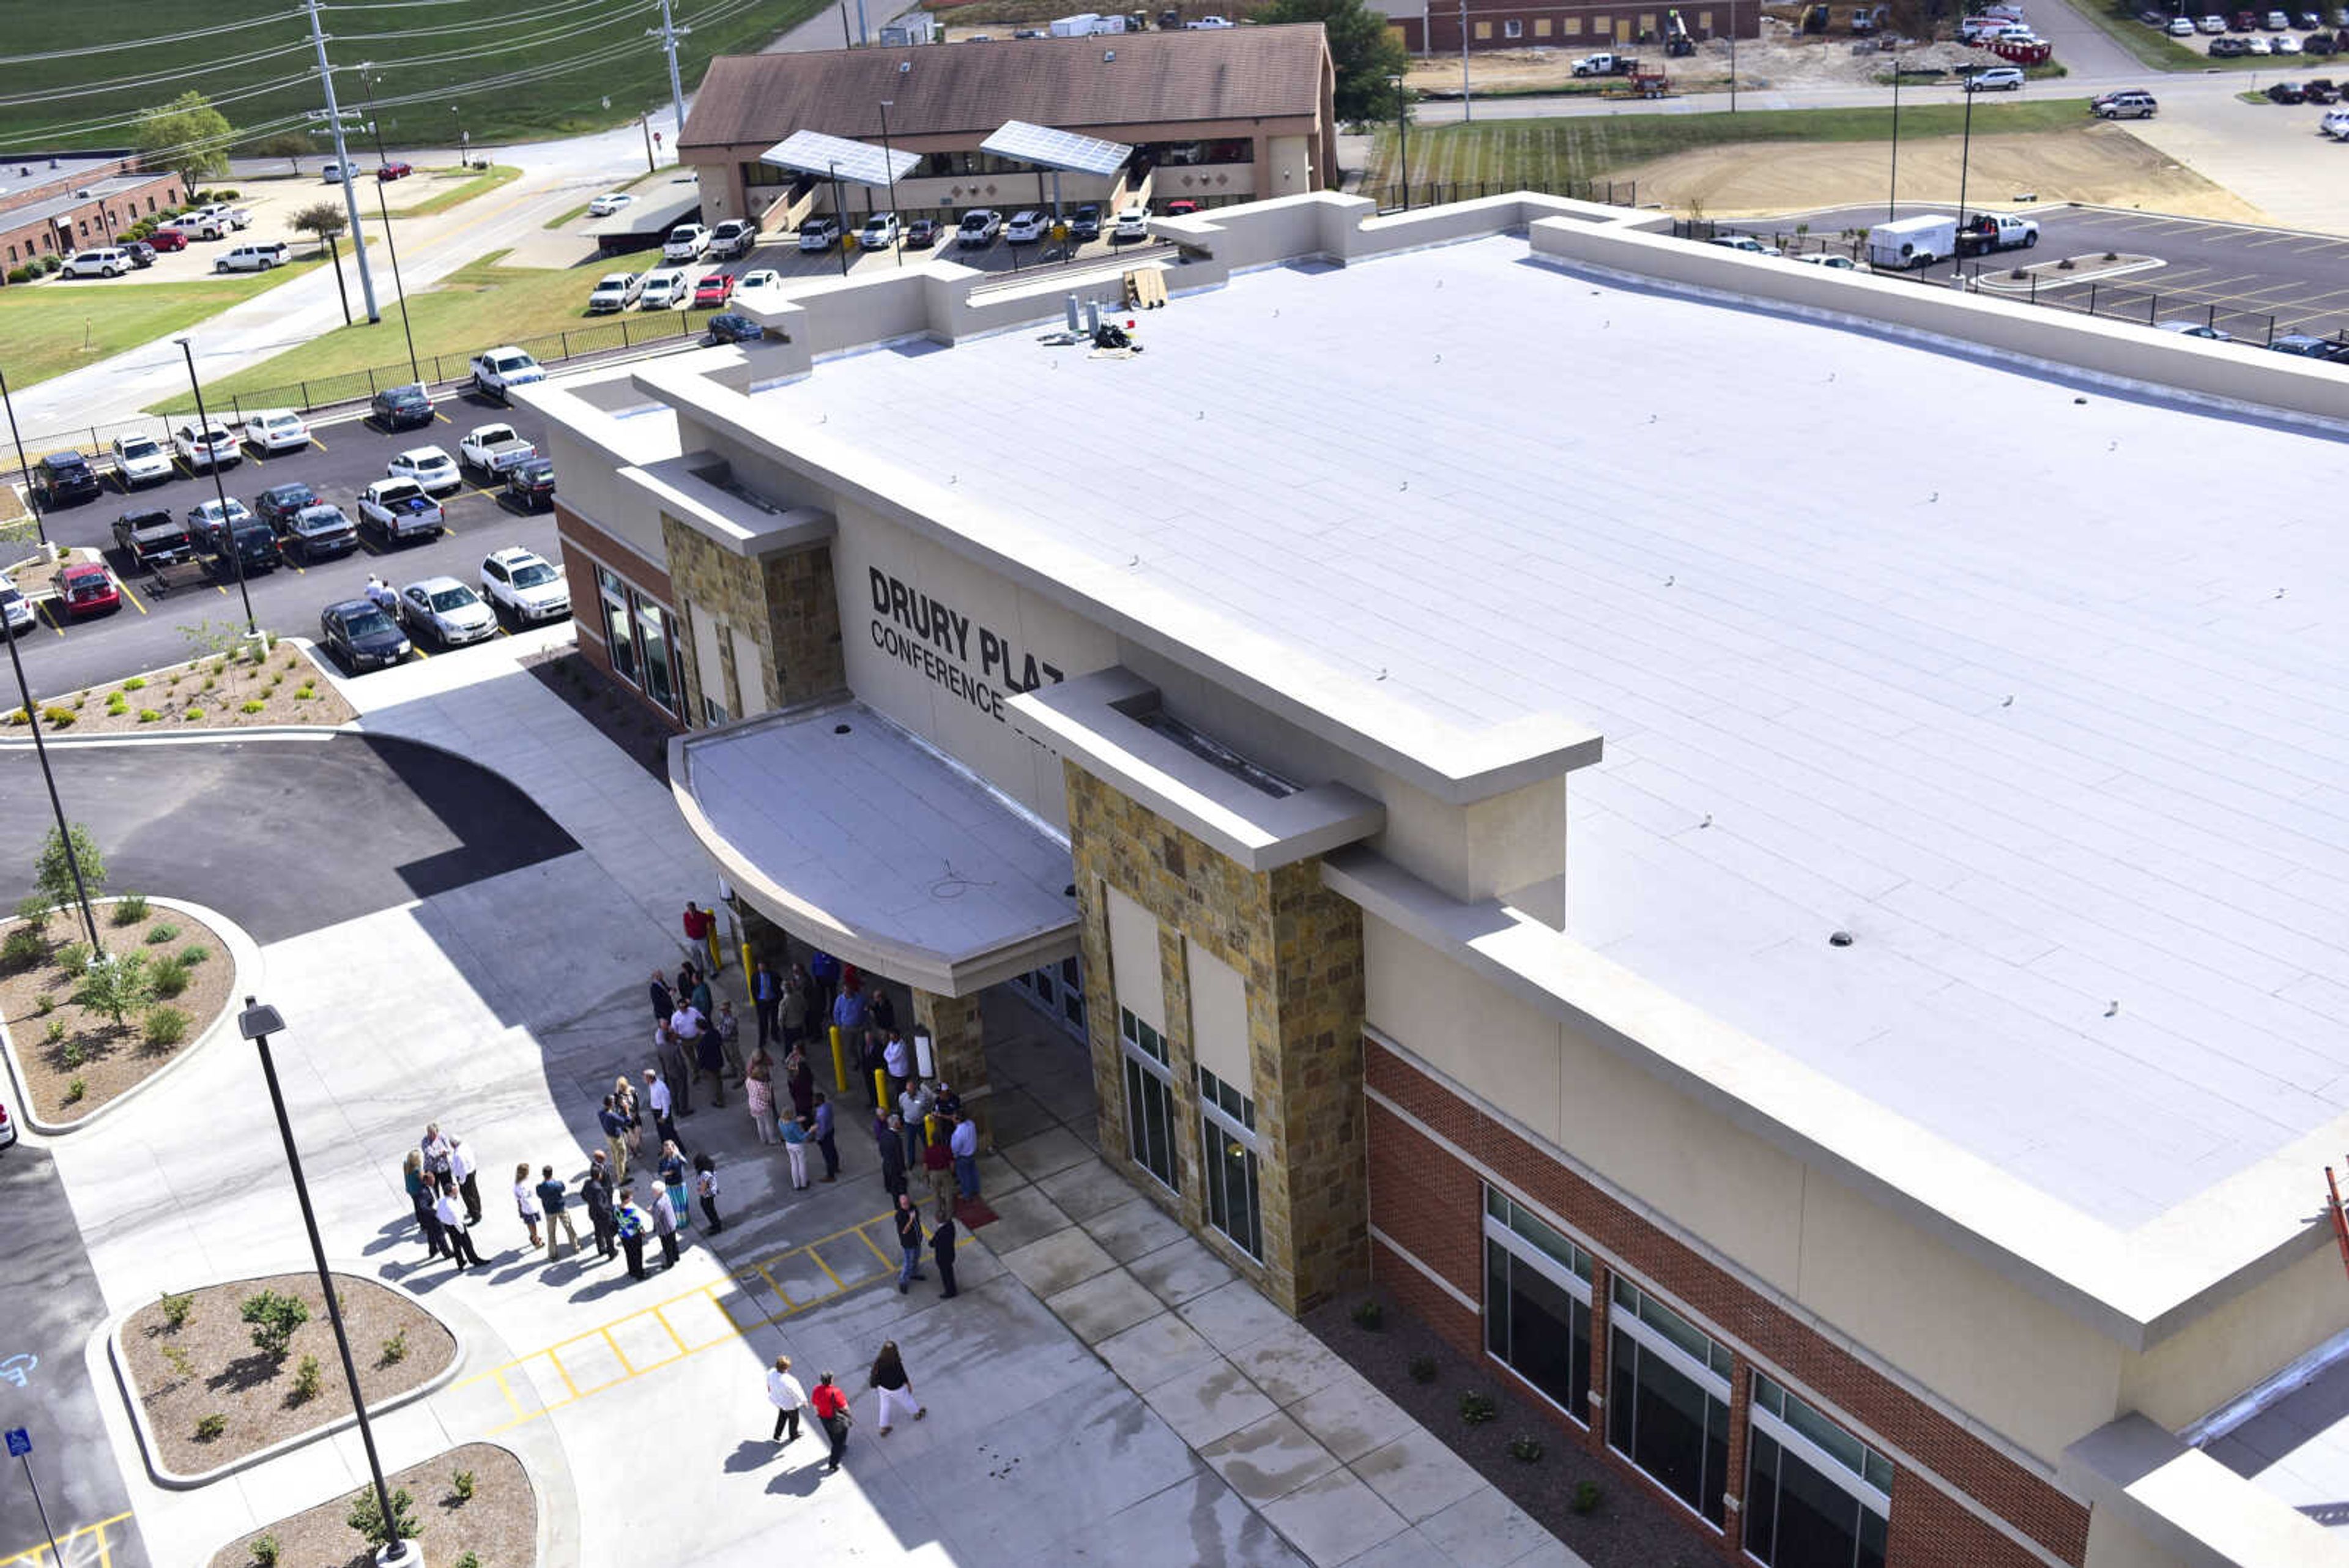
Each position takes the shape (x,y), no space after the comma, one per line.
(881,1088)
(747,968)
(839,1060)
(717,950)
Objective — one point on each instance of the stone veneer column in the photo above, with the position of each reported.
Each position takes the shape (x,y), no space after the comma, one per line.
(785,604)
(1299,951)
(958,1050)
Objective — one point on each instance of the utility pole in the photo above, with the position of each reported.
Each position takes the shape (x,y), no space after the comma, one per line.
(1965,159)
(1733,57)
(668,33)
(343,161)
(1892,183)
(1467,111)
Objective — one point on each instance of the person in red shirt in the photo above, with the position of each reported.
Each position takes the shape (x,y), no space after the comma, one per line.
(832,1409)
(702,930)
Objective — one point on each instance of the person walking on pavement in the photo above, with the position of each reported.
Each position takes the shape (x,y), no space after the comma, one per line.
(656,1096)
(664,998)
(795,1135)
(784,1393)
(914,1107)
(451,1209)
(625,1094)
(705,1189)
(894,1388)
(759,1091)
(728,1030)
(428,1217)
(701,930)
(556,1202)
(897,1060)
(800,1079)
(891,1140)
(526,1205)
(819,1126)
(831,1406)
(937,1168)
(467,1172)
(633,1225)
(963,1142)
(672,1175)
(676,1059)
(909,1243)
(597,1193)
(709,1059)
(766,1002)
(798,1007)
(665,1229)
(942,1247)
(614,1123)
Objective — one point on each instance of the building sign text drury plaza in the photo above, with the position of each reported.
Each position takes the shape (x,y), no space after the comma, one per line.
(935,639)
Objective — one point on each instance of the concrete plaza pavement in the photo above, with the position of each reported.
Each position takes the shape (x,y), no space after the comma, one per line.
(1101,1387)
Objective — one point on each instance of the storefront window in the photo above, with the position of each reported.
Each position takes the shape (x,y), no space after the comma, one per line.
(619,635)
(1538,1304)
(1668,1399)
(1149,1099)
(658,686)
(1815,1496)
(1228,1141)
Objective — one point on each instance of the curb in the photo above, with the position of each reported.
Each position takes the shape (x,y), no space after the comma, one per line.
(172,1480)
(244,956)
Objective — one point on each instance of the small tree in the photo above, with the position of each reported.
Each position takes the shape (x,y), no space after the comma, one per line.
(1365,54)
(366,1517)
(274,1318)
(118,986)
(290,145)
(187,134)
(53,873)
(321,220)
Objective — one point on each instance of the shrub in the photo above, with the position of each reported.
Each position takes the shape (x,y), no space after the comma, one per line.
(1586,1496)
(1369,1315)
(55,1032)
(366,1517)
(53,872)
(251,705)
(119,987)
(306,1380)
(305,691)
(194,715)
(461,1483)
(23,947)
(1477,1409)
(130,909)
(170,979)
(274,1318)
(395,1349)
(57,717)
(160,933)
(211,1427)
(18,717)
(1525,1449)
(20,275)
(74,960)
(149,715)
(136,684)
(51,263)
(177,1358)
(31,909)
(45,1004)
(176,1309)
(166,1026)
(193,954)
(115,702)
(264,1550)
(467,1560)
(76,1090)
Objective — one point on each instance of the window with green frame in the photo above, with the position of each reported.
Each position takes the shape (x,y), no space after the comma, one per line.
(1228,1147)
(1149,1098)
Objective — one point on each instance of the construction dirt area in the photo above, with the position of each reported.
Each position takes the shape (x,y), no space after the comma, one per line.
(1781,57)
(2102,164)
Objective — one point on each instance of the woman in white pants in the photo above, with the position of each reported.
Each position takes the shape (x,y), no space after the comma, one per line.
(796,1144)
(894,1389)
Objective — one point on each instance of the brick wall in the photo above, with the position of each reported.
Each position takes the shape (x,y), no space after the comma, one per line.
(1417,1191)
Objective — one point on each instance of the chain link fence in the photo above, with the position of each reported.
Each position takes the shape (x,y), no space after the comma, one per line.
(1433,193)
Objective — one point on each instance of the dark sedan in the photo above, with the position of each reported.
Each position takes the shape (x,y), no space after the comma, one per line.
(362,634)
(319,533)
(405,408)
(729,327)
(2286,92)
(2327,349)
(921,234)
(280,503)
(64,477)
(533,482)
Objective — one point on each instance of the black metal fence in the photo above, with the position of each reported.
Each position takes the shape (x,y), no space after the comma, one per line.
(1434,193)
(2023,276)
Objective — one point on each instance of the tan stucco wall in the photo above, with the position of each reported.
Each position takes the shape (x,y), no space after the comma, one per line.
(1219,1024)
(2113,1543)
(2226,1352)
(1137,980)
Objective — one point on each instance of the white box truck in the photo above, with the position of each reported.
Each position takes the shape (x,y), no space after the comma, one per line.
(1914,242)
(1085,25)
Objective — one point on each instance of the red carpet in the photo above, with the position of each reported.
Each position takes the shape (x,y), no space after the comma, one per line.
(971,1213)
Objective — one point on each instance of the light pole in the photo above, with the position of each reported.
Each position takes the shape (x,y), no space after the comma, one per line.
(840,220)
(1403,135)
(397,287)
(375,126)
(1965,162)
(1733,57)
(31,492)
(257,1023)
(888,167)
(1892,183)
(1467,110)
(645,124)
(464,144)
(228,532)
(41,750)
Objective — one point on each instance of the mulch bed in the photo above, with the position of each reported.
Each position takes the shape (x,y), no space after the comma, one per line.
(618,713)
(225,1374)
(498,1524)
(215,693)
(70,1043)
(1629,1529)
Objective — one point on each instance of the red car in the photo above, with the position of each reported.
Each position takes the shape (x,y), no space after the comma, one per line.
(86,589)
(714,290)
(1181,209)
(168,240)
(394,172)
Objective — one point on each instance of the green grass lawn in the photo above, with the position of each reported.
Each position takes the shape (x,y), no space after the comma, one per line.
(1553,154)
(603,56)
(51,327)
(478,307)
(567,219)
(481,184)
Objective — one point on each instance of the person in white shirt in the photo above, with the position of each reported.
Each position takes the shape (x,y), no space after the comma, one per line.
(963,1142)
(783,1391)
(465,1171)
(656,1096)
(526,1205)
(452,1220)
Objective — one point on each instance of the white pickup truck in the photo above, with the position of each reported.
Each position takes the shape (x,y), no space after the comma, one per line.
(1604,64)
(234,216)
(397,510)
(494,449)
(498,371)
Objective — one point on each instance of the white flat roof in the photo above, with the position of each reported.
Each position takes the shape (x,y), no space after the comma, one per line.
(2039,691)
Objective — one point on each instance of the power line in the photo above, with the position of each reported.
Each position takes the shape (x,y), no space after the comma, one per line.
(148,42)
(121,84)
(509,20)
(72,129)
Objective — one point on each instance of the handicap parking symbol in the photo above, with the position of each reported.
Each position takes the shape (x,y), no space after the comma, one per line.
(18,1368)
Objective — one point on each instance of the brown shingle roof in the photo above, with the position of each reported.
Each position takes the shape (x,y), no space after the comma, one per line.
(1237,73)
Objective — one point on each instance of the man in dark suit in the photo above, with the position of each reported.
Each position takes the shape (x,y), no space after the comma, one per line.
(664,998)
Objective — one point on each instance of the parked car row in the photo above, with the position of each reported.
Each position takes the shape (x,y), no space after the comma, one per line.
(2316,89)
(67,478)
(2321,44)
(380,629)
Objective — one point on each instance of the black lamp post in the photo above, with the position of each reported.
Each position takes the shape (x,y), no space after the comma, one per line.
(1892,183)
(32,490)
(1965,162)
(65,832)
(228,531)
(398,287)
(257,1023)
(1403,135)
(840,219)
(375,126)
(888,167)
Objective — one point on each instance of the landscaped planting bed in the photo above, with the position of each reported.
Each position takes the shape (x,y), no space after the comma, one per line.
(496,1526)
(217,692)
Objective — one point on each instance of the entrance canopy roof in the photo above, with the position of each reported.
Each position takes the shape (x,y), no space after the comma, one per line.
(1050,148)
(837,157)
(851,834)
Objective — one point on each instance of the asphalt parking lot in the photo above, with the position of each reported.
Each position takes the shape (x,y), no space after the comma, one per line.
(144,633)
(2239,278)
(785,256)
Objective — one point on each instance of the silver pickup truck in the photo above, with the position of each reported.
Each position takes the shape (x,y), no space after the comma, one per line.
(494,450)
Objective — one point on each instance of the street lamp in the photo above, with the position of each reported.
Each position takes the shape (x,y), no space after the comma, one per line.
(32,490)
(1965,162)
(1892,183)
(1468,105)
(257,1023)
(398,287)
(888,167)
(228,532)
(839,220)
(464,144)
(1402,134)
(41,750)
(375,126)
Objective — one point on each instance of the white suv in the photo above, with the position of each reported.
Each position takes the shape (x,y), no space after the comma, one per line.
(99,263)
(2131,105)
(248,258)
(206,446)
(523,582)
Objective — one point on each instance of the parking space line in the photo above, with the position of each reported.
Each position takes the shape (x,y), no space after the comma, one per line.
(39,1556)
(56,623)
(2276,240)
(131,597)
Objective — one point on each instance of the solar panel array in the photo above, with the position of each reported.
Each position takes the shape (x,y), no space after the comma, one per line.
(1052,149)
(859,163)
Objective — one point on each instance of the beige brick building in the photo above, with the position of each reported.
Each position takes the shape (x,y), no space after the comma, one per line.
(1830,992)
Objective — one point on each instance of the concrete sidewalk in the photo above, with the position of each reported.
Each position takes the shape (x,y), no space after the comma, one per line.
(1101,1387)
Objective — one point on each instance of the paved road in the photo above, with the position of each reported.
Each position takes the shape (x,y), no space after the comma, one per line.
(54,1308)
(283,835)
(144,634)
